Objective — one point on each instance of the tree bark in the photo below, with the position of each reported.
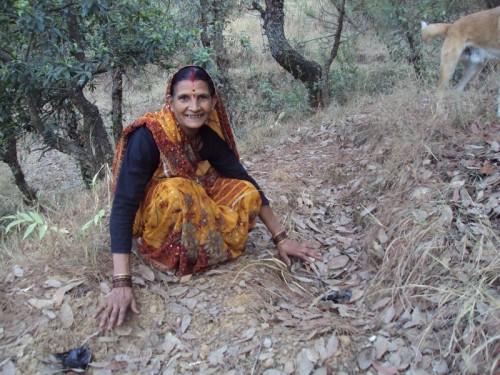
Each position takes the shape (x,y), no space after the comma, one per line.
(87,160)
(307,71)
(96,141)
(415,56)
(11,159)
(96,138)
(117,103)
(325,73)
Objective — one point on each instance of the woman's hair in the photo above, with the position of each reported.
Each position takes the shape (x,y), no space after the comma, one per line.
(192,73)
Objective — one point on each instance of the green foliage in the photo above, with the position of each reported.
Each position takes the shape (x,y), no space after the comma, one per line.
(29,221)
(96,220)
(50,50)
(344,76)
(277,96)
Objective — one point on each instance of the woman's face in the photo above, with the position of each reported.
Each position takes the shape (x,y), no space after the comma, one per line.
(191,105)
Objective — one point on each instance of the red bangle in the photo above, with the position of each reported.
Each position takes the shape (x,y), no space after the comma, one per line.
(122,280)
(279,237)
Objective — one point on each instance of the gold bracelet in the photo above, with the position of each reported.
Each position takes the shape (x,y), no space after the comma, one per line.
(121,274)
(279,237)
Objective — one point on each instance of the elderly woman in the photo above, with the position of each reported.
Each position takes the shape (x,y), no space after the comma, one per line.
(182,191)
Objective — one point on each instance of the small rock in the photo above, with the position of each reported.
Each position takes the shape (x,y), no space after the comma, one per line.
(267,363)
(267,343)
(18,271)
(345,341)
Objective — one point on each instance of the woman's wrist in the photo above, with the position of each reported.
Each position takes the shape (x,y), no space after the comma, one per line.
(121,280)
(279,237)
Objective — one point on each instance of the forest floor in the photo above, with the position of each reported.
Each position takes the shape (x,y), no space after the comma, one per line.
(252,315)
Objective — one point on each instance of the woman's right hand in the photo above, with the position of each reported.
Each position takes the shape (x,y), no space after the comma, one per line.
(112,311)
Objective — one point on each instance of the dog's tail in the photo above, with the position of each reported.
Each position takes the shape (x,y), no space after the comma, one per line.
(433,30)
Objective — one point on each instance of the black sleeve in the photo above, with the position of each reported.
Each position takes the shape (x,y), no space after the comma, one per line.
(138,166)
(220,156)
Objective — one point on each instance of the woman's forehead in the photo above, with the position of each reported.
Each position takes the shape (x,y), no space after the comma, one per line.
(187,86)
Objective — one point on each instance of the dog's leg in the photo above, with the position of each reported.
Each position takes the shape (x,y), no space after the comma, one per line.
(473,63)
(450,55)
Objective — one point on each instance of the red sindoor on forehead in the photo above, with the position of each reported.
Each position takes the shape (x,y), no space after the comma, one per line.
(192,74)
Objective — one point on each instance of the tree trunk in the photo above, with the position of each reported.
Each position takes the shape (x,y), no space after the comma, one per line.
(415,56)
(10,158)
(89,164)
(307,71)
(325,73)
(117,103)
(95,135)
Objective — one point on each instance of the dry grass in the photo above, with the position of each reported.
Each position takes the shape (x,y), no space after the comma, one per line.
(427,262)
(68,249)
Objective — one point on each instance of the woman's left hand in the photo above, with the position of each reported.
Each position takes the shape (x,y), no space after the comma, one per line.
(305,251)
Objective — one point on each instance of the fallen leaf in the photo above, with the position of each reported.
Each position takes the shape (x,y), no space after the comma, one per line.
(8,368)
(381,346)
(170,343)
(304,365)
(389,314)
(190,303)
(319,345)
(66,315)
(332,346)
(42,303)
(356,295)
(175,308)
(146,272)
(123,330)
(178,291)
(217,356)
(59,295)
(186,320)
(366,357)
(52,283)
(383,370)
(381,303)
(338,262)
(49,314)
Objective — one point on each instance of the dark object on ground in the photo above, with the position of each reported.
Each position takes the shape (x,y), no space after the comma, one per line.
(76,358)
(338,296)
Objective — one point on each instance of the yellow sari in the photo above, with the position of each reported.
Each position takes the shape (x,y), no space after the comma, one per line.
(190,218)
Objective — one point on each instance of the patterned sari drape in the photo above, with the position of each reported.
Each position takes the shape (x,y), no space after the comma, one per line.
(190,219)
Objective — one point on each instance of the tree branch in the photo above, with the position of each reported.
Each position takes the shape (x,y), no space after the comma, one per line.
(256,6)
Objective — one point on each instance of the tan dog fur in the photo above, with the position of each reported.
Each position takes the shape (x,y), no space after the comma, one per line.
(471,40)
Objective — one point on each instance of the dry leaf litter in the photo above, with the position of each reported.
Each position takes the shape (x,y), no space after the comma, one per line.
(253,315)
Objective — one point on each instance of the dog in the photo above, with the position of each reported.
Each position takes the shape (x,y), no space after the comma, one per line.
(471,41)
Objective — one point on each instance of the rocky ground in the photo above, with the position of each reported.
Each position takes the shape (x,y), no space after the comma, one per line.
(250,316)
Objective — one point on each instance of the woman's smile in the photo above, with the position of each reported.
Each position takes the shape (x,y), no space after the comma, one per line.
(191,105)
